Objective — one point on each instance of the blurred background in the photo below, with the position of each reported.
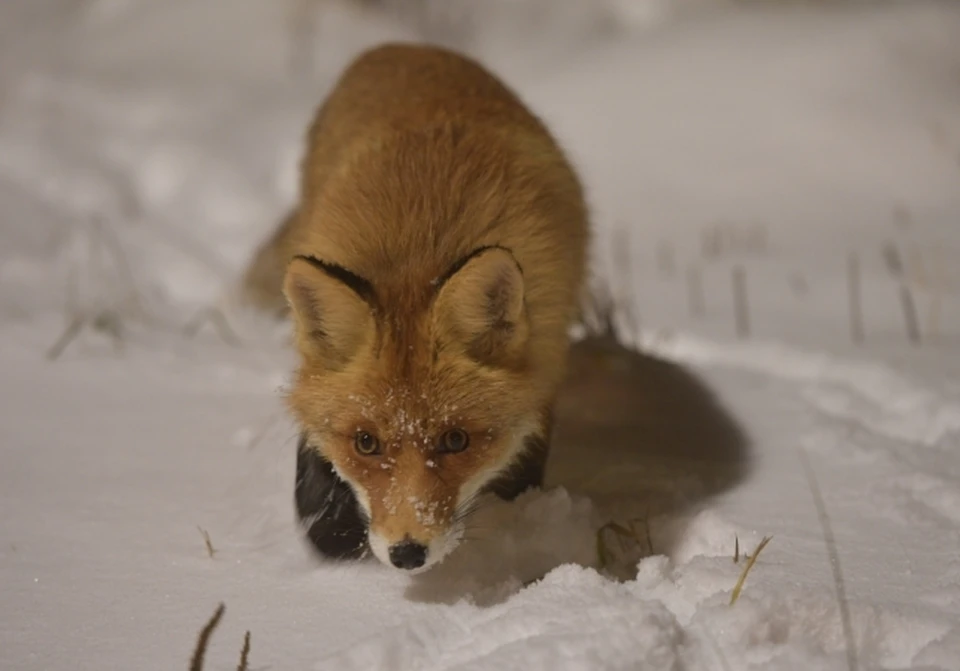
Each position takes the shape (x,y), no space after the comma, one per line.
(789,169)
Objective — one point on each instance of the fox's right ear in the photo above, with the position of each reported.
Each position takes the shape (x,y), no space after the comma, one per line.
(481,307)
(332,318)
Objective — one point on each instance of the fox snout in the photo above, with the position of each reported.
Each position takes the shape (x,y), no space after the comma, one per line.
(344,520)
(408,554)
(411,553)
(403,539)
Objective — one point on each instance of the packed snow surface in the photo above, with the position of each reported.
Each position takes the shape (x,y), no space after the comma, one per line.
(792,156)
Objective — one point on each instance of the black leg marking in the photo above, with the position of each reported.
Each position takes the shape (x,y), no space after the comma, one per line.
(526,473)
(327,507)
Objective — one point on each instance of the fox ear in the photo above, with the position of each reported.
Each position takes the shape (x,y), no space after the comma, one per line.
(332,317)
(481,307)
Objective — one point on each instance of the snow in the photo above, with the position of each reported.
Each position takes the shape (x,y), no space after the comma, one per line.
(146,147)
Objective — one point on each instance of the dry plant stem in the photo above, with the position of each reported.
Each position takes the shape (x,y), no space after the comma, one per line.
(938,282)
(196,662)
(303,16)
(934,281)
(751,560)
(207,542)
(740,306)
(894,263)
(245,653)
(831,543)
(104,245)
(623,265)
(75,324)
(220,324)
(854,296)
(108,238)
(736,550)
(597,311)
(910,314)
(110,323)
(107,321)
(695,296)
(72,331)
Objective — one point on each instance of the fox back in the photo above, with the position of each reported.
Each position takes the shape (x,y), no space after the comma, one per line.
(433,267)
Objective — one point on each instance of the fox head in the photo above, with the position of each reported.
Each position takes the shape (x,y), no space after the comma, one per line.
(419,404)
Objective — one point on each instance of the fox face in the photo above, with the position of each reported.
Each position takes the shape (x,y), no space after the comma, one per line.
(418,406)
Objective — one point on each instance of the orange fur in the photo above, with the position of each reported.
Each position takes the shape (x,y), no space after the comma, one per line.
(433,267)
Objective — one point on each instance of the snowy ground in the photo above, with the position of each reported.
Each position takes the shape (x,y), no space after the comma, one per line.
(151,145)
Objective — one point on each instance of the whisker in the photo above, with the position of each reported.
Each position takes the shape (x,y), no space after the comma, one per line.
(480,527)
(468,508)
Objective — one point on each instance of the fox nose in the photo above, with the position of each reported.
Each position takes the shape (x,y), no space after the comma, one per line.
(408,555)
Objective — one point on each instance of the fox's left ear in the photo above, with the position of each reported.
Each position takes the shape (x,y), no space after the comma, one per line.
(481,307)
(333,319)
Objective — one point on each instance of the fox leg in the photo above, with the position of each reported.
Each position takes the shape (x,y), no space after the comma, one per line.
(327,507)
(528,470)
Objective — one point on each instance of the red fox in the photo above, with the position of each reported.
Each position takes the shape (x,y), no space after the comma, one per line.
(432,269)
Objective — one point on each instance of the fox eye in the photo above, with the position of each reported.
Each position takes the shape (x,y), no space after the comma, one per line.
(455,440)
(366,443)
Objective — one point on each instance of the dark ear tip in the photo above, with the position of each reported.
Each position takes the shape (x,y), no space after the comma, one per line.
(478,253)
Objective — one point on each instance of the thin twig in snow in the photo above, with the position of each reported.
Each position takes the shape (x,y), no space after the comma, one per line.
(894,263)
(72,331)
(221,325)
(107,239)
(855,302)
(938,282)
(303,18)
(203,641)
(245,653)
(910,314)
(207,542)
(623,267)
(930,278)
(741,309)
(196,662)
(695,295)
(751,560)
(103,244)
(834,556)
